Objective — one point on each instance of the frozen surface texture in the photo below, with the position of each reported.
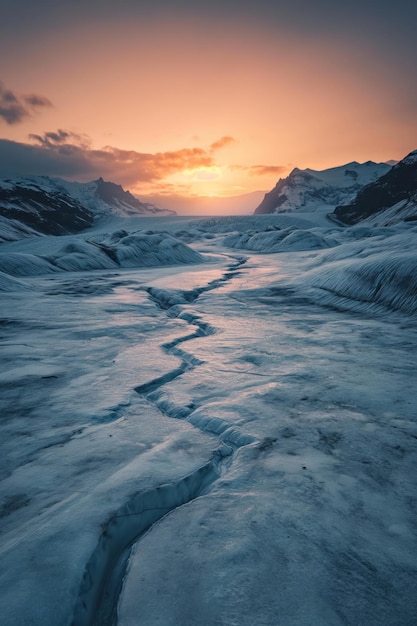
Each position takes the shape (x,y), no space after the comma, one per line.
(195,432)
(118,249)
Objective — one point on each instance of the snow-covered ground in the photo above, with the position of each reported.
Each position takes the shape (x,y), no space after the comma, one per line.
(209,422)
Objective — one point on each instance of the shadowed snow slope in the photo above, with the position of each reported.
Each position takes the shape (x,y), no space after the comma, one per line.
(103,197)
(13,230)
(389,200)
(378,270)
(390,281)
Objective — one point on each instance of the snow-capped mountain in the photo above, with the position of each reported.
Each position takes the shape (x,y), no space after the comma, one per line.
(103,197)
(39,204)
(311,191)
(390,199)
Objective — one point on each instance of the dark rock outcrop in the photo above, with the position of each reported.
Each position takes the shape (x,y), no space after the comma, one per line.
(48,211)
(393,195)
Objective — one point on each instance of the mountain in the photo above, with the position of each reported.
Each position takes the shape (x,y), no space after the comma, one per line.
(103,197)
(390,199)
(41,205)
(30,206)
(313,191)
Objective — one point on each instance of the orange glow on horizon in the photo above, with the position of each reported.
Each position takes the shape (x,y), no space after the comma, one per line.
(251,104)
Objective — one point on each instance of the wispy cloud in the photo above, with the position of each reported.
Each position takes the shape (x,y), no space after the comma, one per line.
(261,170)
(35,100)
(222,143)
(16,108)
(61,137)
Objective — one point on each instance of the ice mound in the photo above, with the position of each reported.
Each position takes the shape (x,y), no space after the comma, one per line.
(384,279)
(7,283)
(111,251)
(25,264)
(80,256)
(285,240)
(146,249)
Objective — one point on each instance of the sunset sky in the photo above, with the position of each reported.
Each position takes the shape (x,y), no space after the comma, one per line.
(180,98)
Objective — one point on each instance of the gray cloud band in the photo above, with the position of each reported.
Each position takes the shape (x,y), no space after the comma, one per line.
(68,155)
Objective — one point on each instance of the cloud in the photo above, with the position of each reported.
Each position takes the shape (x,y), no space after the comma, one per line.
(11,110)
(66,154)
(261,170)
(15,109)
(222,142)
(266,170)
(60,137)
(35,100)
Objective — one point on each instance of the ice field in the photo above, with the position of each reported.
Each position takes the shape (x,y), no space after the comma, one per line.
(209,423)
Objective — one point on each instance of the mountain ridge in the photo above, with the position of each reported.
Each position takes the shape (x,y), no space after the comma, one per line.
(40,205)
(313,190)
(388,200)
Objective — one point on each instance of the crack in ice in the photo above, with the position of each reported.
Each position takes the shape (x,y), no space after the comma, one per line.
(104,573)
(170,301)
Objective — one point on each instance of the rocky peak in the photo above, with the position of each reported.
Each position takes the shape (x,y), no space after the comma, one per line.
(397,188)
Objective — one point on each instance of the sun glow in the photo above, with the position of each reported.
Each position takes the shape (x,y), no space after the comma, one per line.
(203,174)
(200,181)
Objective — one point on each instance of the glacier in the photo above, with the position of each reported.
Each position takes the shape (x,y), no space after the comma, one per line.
(209,421)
